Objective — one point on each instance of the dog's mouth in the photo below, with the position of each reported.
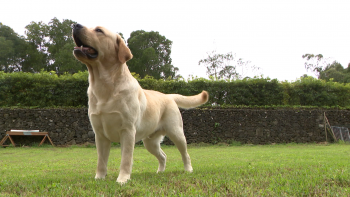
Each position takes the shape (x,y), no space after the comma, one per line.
(83,48)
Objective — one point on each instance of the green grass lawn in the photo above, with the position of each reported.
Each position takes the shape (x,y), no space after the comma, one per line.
(269,170)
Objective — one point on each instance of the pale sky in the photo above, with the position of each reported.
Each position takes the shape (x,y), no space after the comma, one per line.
(272,34)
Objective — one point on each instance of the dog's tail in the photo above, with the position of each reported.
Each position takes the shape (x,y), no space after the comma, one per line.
(187,102)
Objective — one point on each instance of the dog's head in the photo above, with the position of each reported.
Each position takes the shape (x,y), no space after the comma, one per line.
(99,45)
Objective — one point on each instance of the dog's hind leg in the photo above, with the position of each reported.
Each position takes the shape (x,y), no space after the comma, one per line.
(103,146)
(152,144)
(177,136)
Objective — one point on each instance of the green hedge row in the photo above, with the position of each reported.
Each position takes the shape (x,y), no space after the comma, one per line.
(43,89)
(46,89)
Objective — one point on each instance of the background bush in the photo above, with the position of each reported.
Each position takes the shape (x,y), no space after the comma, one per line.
(46,89)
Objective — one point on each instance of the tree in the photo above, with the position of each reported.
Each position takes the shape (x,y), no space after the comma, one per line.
(151,55)
(36,54)
(225,66)
(34,60)
(37,35)
(60,45)
(6,50)
(12,49)
(336,72)
(46,46)
(315,63)
(305,76)
(325,70)
(55,43)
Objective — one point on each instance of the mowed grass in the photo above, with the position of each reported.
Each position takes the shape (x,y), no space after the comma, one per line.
(269,170)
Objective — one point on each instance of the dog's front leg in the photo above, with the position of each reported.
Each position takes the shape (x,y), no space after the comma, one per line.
(103,146)
(127,143)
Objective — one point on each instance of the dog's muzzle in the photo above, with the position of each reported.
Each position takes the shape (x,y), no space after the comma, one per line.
(82,49)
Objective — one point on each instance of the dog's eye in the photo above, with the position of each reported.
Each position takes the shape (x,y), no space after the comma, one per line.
(99,30)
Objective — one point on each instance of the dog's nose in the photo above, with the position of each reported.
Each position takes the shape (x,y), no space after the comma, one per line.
(77,26)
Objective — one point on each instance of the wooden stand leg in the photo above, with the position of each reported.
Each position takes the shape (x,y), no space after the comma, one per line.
(42,141)
(50,140)
(48,137)
(13,143)
(8,135)
(4,140)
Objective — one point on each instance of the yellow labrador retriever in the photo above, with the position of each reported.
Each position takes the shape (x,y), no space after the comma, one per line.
(120,110)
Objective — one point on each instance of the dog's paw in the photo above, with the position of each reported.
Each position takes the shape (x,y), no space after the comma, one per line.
(188,168)
(123,179)
(161,169)
(99,176)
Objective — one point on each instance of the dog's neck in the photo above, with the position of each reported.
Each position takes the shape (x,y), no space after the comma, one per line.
(106,80)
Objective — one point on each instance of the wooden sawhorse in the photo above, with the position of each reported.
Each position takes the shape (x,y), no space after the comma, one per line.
(11,133)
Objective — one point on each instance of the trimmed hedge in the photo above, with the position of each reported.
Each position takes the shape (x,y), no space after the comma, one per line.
(46,89)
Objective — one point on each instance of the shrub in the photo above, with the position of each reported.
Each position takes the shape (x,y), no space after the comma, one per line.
(46,89)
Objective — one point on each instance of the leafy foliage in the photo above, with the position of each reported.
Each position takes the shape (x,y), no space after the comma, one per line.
(12,49)
(225,66)
(218,65)
(46,46)
(54,40)
(43,89)
(47,89)
(321,67)
(336,72)
(151,55)
(315,63)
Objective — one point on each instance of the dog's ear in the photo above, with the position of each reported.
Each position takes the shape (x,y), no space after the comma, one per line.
(124,53)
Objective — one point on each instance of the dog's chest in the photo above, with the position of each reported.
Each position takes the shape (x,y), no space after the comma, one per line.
(107,124)
(111,118)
